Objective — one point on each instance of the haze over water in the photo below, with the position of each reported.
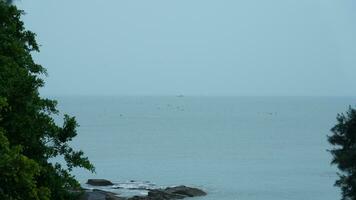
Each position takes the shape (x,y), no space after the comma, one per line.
(250,148)
(200,47)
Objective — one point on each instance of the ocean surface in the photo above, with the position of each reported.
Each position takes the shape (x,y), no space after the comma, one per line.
(235,148)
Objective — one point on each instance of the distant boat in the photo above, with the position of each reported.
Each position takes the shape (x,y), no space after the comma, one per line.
(180,95)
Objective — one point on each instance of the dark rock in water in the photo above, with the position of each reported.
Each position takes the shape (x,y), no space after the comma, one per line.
(161,195)
(100,195)
(99,182)
(179,192)
(185,191)
(93,195)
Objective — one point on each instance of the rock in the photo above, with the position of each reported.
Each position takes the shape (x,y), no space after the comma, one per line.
(92,195)
(110,196)
(99,195)
(163,195)
(99,182)
(185,191)
(179,192)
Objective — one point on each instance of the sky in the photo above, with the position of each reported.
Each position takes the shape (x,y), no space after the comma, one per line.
(195,47)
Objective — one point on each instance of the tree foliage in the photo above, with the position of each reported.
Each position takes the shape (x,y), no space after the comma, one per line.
(29,136)
(344,153)
(17,172)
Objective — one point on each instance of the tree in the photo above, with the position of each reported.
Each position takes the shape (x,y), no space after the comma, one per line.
(344,153)
(29,136)
(17,172)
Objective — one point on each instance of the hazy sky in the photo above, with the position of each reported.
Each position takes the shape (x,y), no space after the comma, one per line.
(196,47)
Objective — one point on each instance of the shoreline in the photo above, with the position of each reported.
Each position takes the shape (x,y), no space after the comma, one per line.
(102,189)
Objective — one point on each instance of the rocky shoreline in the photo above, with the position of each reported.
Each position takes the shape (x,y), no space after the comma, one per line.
(167,193)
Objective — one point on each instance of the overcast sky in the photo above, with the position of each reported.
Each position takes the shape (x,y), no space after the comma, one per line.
(196,47)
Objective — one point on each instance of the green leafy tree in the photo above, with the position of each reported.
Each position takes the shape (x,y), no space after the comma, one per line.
(29,136)
(344,153)
(17,172)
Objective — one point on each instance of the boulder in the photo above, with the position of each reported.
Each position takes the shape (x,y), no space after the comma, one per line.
(92,195)
(99,182)
(163,195)
(179,192)
(185,191)
(99,195)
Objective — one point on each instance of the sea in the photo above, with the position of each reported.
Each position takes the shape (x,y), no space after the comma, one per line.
(234,148)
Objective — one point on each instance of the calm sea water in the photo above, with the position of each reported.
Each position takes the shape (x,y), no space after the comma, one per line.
(248,148)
